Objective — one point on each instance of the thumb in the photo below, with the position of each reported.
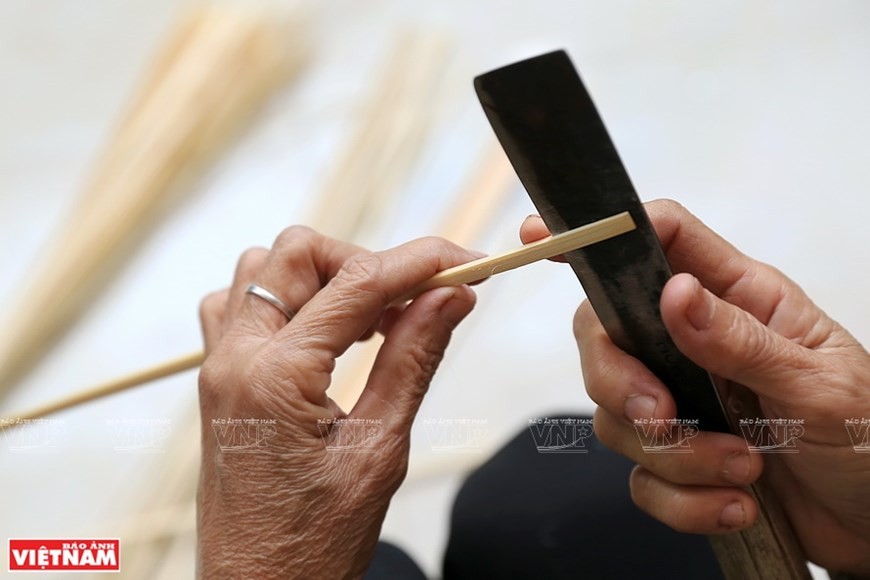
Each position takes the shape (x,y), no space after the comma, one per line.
(409,356)
(731,343)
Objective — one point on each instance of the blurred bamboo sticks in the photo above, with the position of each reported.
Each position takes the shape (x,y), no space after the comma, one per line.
(215,69)
(385,145)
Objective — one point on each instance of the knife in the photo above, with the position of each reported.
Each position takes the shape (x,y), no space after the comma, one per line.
(555,139)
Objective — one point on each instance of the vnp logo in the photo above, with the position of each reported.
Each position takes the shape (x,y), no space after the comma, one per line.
(666,435)
(859,434)
(561,435)
(772,435)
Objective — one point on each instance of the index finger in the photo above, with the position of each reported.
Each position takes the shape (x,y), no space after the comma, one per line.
(353,301)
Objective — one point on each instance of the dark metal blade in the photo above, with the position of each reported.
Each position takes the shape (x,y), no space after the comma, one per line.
(556,141)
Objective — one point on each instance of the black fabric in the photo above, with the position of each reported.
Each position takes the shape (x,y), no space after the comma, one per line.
(535,515)
(391,563)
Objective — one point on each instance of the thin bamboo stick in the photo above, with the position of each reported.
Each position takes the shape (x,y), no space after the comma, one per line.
(548,247)
(209,79)
(120,384)
(473,271)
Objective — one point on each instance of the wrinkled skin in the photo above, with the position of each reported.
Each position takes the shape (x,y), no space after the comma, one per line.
(293,509)
(749,324)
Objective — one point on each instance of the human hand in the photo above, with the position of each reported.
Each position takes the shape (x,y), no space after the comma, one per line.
(747,323)
(294,509)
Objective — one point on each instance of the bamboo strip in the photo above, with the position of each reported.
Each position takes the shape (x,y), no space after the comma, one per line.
(548,247)
(144,376)
(473,271)
(213,74)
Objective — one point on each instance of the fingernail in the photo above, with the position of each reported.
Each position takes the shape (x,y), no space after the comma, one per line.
(638,407)
(455,308)
(733,516)
(701,308)
(736,468)
(477,254)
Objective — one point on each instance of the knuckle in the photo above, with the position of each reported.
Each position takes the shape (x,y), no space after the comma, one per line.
(603,380)
(363,272)
(253,255)
(677,521)
(432,244)
(250,262)
(638,484)
(367,266)
(438,243)
(747,334)
(294,235)
(211,375)
(424,359)
(664,507)
(433,249)
(212,303)
(390,468)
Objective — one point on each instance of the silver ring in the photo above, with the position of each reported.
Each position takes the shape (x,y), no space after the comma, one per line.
(261,292)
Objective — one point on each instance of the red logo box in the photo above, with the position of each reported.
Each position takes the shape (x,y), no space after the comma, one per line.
(72,555)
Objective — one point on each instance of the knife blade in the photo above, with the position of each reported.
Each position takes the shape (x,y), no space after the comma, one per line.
(560,148)
(558,144)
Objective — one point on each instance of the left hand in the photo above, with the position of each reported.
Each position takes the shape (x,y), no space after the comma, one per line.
(295,509)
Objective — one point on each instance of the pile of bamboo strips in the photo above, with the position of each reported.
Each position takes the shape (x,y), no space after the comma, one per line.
(212,74)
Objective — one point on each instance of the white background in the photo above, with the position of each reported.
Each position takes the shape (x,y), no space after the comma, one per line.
(753,114)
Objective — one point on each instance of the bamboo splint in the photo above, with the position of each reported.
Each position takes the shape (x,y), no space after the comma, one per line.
(213,72)
(473,271)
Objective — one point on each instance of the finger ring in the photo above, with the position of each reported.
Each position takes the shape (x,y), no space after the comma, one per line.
(261,292)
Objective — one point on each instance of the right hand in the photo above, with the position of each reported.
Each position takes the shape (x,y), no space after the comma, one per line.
(747,323)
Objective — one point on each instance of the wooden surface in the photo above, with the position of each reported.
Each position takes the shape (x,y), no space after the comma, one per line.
(769,549)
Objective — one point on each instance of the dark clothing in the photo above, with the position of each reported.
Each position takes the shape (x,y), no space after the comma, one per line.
(531,515)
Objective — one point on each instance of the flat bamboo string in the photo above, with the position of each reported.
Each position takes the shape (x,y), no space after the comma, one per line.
(213,75)
(463,274)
